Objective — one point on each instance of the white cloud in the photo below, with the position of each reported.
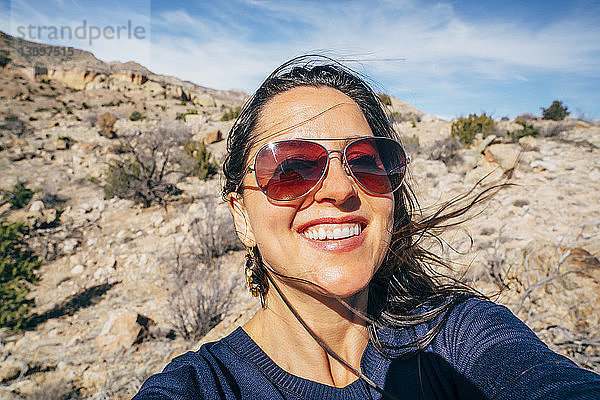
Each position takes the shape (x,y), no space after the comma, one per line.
(432,39)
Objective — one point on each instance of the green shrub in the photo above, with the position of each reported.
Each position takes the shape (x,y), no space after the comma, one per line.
(17,266)
(181,116)
(385,99)
(556,111)
(136,116)
(18,197)
(465,129)
(528,130)
(4,58)
(232,113)
(203,165)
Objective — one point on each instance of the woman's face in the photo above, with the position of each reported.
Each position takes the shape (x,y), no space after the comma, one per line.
(287,233)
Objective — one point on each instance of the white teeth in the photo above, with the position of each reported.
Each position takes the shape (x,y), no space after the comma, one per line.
(339,232)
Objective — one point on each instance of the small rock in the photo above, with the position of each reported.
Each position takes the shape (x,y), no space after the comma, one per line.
(528,143)
(485,142)
(11,369)
(61,145)
(121,329)
(156,220)
(78,269)
(213,137)
(110,262)
(543,165)
(87,147)
(48,216)
(36,206)
(69,245)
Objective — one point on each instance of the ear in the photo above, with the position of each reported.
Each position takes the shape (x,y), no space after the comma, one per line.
(240,219)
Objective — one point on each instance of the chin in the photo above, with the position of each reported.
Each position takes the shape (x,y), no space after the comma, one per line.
(342,285)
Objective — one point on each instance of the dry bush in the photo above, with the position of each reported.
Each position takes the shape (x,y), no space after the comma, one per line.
(553,128)
(201,295)
(411,144)
(526,117)
(152,166)
(408,116)
(447,151)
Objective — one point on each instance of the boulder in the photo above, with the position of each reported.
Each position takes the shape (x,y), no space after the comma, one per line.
(505,155)
(122,329)
(213,137)
(11,369)
(204,100)
(528,143)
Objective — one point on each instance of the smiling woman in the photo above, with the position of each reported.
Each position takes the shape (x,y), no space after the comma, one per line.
(352,308)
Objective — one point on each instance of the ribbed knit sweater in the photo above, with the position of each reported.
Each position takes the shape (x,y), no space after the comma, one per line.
(482,352)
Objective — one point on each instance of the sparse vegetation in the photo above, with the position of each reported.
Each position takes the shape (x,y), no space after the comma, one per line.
(410,144)
(203,165)
(528,130)
(526,117)
(140,181)
(556,111)
(446,151)
(112,104)
(136,116)
(201,296)
(18,197)
(396,116)
(181,116)
(17,270)
(465,129)
(4,58)
(385,99)
(153,166)
(232,113)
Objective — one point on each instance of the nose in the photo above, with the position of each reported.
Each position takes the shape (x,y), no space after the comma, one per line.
(337,186)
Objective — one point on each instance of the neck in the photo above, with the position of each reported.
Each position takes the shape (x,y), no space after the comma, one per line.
(277,330)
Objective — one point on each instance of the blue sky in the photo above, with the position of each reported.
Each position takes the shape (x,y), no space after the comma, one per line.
(448,58)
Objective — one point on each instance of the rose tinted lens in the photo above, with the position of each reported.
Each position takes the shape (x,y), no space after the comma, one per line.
(289,169)
(378,164)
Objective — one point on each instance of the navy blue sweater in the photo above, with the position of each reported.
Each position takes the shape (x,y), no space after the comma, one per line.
(482,352)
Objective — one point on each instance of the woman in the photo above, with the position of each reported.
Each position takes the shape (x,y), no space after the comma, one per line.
(351,306)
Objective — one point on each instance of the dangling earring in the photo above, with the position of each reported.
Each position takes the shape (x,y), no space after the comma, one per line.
(251,266)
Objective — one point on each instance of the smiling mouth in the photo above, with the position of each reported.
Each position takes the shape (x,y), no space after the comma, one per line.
(333,231)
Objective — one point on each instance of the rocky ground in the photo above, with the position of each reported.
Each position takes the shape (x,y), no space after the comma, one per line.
(108,305)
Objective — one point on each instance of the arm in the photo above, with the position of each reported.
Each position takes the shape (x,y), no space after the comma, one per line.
(500,355)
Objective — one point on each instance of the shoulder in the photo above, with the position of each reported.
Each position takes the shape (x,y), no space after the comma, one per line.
(193,375)
(487,344)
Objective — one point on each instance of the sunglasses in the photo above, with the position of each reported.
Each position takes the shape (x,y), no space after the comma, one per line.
(289,169)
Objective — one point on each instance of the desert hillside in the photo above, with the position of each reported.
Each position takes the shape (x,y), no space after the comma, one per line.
(111,170)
